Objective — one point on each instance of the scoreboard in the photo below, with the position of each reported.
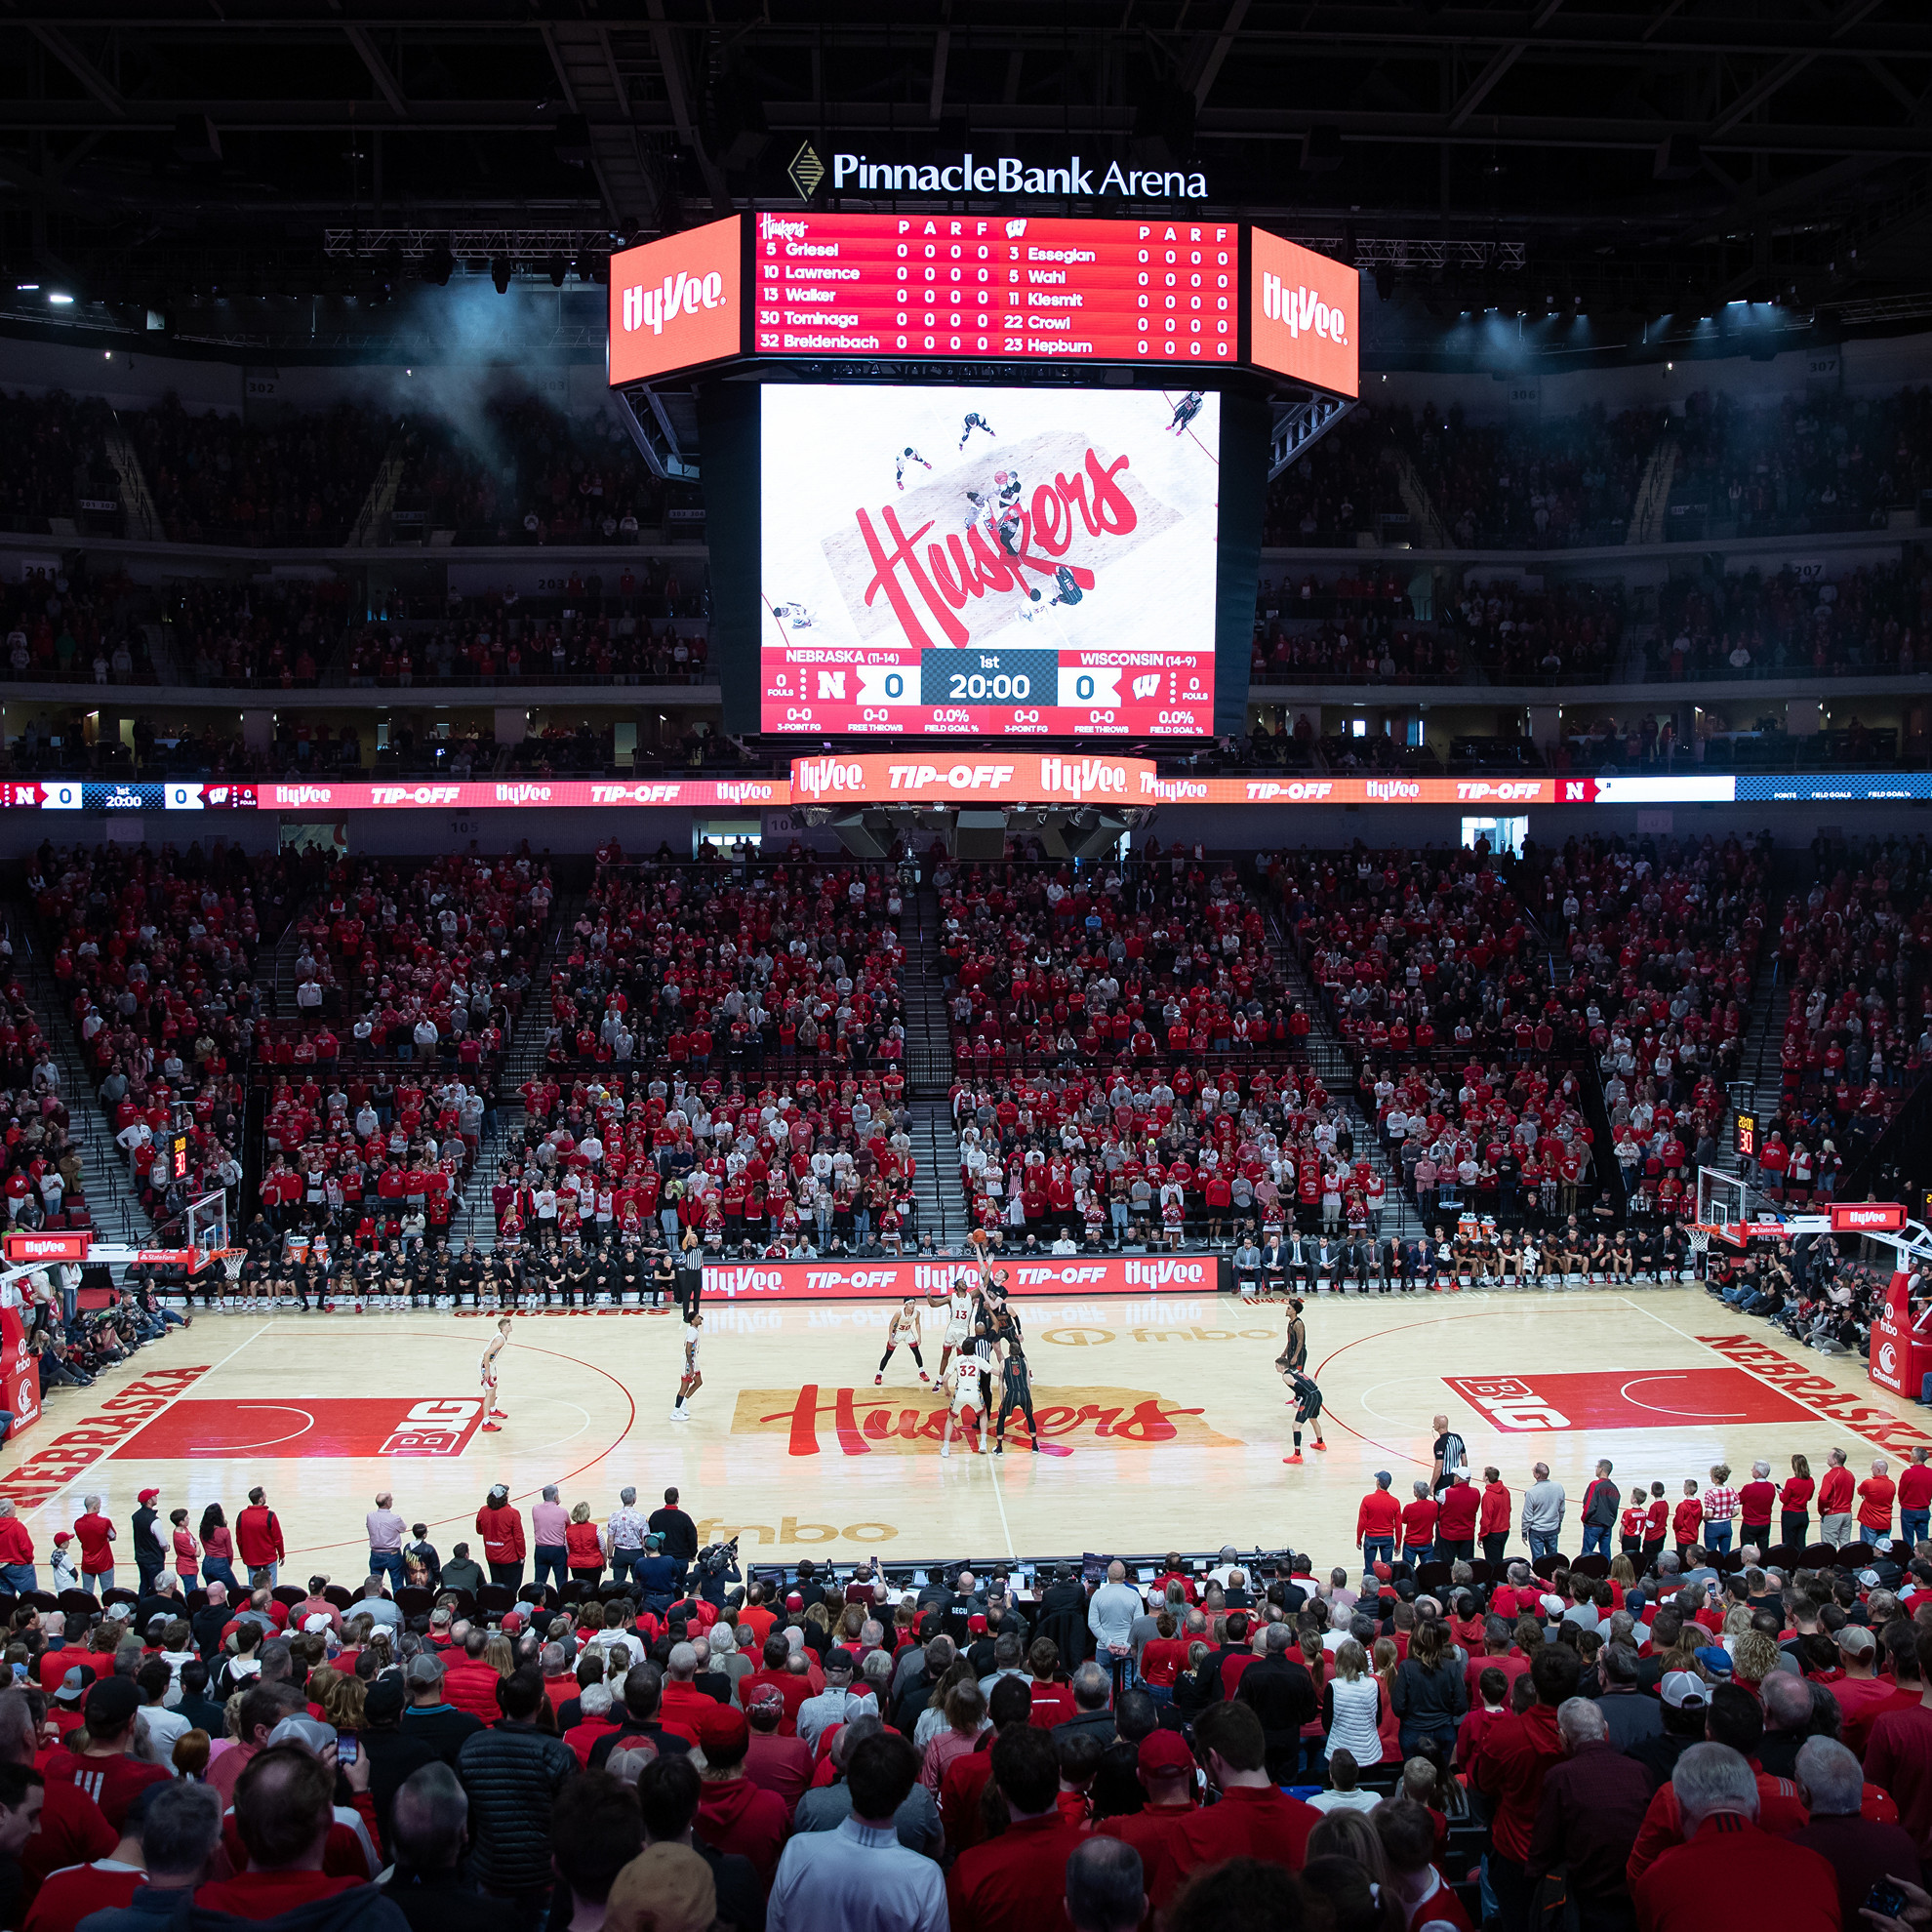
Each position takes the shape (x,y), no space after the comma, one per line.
(1015,286)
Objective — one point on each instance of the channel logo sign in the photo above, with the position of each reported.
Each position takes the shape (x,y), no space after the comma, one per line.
(1305,314)
(677,303)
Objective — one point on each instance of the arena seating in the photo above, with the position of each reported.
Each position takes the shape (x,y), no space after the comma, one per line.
(1798,464)
(56,460)
(281,634)
(299,480)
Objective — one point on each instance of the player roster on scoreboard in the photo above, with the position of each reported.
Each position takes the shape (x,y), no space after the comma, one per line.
(999,561)
(1014,287)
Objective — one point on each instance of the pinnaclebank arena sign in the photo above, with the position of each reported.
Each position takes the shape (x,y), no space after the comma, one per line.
(1008,174)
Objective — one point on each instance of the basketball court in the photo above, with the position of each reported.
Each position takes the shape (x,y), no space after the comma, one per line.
(1162,1421)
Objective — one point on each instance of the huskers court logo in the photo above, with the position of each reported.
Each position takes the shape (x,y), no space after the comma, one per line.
(863,1422)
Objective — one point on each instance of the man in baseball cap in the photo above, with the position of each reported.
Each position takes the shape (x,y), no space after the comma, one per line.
(1166,1768)
(735,1815)
(110,1710)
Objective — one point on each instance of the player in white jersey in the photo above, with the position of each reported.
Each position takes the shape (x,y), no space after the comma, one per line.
(972,1372)
(492,1416)
(903,1331)
(958,1319)
(693,1378)
(907,455)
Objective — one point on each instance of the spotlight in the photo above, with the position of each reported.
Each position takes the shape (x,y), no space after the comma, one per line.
(501,270)
(439,266)
(556,270)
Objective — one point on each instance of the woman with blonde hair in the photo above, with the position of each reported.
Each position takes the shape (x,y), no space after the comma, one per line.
(583,1546)
(965,1717)
(1318,1662)
(1385,1660)
(498,1654)
(851,1628)
(341,1700)
(1352,1706)
(933,1719)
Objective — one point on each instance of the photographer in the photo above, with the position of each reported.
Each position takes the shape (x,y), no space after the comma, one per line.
(717,1570)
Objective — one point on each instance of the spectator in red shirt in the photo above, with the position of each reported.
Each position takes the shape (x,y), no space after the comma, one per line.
(1456,1520)
(1419,1525)
(1834,1501)
(1898,1754)
(105,1770)
(1377,1521)
(259,1541)
(96,1535)
(1915,1497)
(1509,1769)
(1875,1503)
(1251,1819)
(1002,1885)
(735,1815)
(1755,1501)
(284,1808)
(1726,1857)
(502,1529)
(773,1762)
(1494,1526)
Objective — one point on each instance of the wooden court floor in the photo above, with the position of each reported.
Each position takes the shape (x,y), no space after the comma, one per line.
(1163,1422)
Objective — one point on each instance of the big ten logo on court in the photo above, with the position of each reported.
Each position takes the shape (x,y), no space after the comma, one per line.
(435,1426)
(789,1530)
(861,1423)
(1509,1401)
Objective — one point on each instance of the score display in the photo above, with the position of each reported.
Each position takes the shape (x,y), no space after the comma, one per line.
(978,560)
(1014,287)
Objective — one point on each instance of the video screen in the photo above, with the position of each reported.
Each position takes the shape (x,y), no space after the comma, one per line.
(1004,561)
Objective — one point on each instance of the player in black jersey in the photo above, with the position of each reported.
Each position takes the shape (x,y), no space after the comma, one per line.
(975,420)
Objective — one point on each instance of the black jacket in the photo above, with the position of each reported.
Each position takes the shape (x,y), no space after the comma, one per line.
(513,1773)
(393,1756)
(679,1532)
(1281,1693)
(447,1902)
(1430,1702)
(1063,1619)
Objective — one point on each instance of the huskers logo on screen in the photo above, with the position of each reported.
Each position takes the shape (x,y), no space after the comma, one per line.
(859,1422)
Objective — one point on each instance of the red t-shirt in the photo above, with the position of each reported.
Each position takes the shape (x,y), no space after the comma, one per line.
(68,1896)
(1456,1521)
(1916,1486)
(269,1894)
(1755,1504)
(112,1783)
(96,1552)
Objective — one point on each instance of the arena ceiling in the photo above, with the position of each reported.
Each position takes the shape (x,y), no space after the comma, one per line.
(1643,154)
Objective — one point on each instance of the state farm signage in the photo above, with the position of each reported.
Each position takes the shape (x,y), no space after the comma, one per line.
(1028,1274)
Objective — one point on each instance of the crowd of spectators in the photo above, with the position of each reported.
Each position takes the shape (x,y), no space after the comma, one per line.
(518,471)
(1415,1735)
(1548,485)
(496,649)
(274,634)
(1797,464)
(44,1182)
(292,480)
(69,626)
(157,954)
(57,459)
(1341,486)
(1866,621)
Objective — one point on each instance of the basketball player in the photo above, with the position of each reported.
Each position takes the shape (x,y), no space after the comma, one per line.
(1018,1390)
(974,421)
(905,1330)
(969,1371)
(693,1378)
(1294,1355)
(494,1417)
(1186,409)
(907,455)
(958,1320)
(1307,1411)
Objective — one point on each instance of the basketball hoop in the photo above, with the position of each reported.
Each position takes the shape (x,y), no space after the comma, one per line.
(1699,1239)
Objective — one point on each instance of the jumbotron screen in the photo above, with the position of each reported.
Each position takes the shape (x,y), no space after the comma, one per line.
(1018,287)
(1002,561)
